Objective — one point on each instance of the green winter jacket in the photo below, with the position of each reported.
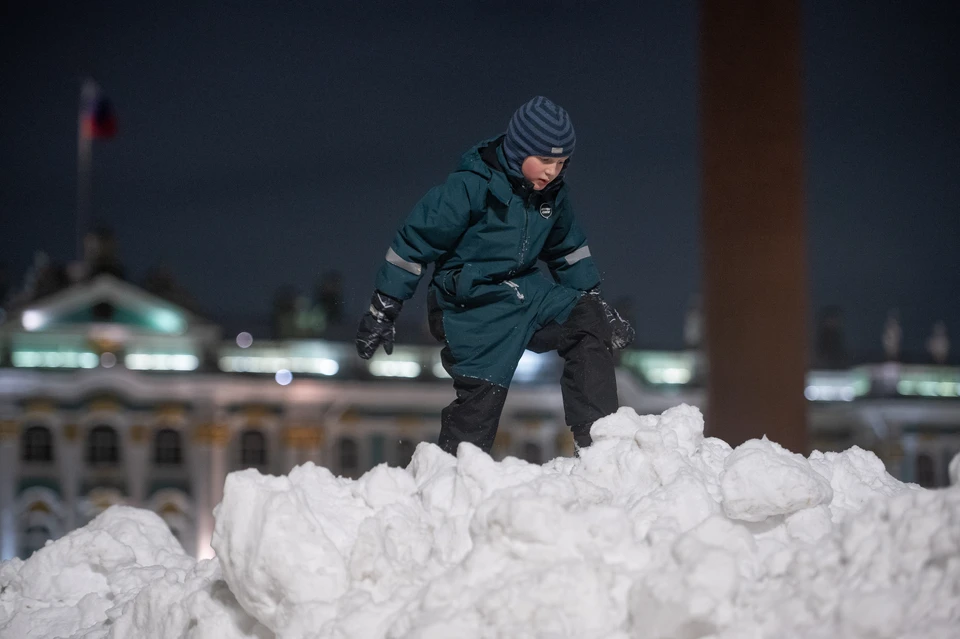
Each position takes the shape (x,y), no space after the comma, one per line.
(484,228)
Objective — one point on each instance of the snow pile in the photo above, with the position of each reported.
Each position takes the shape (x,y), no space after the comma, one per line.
(654,532)
(122,575)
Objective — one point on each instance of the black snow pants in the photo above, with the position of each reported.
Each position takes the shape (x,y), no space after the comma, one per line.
(588,384)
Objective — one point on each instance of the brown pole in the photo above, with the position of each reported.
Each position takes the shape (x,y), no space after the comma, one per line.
(753,238)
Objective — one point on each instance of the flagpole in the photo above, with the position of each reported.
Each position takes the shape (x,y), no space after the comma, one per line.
(84,168)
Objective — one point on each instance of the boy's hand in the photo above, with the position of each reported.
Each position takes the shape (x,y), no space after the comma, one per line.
(376,325)
(623,333)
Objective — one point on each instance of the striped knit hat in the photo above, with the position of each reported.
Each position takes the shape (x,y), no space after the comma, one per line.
(539,128)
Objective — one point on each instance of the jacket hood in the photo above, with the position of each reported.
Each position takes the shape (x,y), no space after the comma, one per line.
(486,159)
(473,162)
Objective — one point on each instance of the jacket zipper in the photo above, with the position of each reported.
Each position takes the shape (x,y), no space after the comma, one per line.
(523,241)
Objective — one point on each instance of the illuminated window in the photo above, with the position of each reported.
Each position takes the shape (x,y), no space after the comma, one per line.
(253,449)
(166,448)
(532,453)
(37,445)
(348,455)
(38,524)
(34,538)
(103,446)
(926,472)
(175,519)
(405,448)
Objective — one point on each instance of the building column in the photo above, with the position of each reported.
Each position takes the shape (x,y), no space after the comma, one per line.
(300,444)
(9,476)
(291,449)
(316,449)
(753,234)
(137,461)
(200,480)
(219,464)
(70,456)
(207,465)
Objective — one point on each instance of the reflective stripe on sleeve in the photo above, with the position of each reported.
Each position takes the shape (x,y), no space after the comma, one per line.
(396,260)
(576,256)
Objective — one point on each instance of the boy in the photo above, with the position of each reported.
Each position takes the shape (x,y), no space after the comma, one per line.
(505,207)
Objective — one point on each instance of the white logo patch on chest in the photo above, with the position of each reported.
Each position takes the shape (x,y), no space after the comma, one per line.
(546,211)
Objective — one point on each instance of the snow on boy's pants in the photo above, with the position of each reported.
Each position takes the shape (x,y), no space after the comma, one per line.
(588,385)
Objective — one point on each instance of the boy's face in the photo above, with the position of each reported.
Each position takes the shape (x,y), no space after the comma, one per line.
(541,171)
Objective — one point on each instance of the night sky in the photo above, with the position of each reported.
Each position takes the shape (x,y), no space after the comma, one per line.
(261,147)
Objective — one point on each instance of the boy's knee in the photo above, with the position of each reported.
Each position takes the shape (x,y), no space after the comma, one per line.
(588,317)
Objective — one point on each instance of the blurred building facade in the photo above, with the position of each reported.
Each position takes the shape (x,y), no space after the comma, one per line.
(112,394)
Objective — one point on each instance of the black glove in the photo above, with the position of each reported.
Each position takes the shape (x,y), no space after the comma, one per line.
(376,325)
(622,332)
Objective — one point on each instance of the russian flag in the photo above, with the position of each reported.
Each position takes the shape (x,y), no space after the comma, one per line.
(97,118)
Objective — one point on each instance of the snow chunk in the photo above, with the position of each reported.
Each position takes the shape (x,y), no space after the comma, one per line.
(762,479)
(113,574)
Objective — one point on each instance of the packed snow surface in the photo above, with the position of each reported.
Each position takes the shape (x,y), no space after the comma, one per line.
(654,532)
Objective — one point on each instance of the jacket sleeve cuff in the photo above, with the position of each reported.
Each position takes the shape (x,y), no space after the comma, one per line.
(396,282)
(582,276)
